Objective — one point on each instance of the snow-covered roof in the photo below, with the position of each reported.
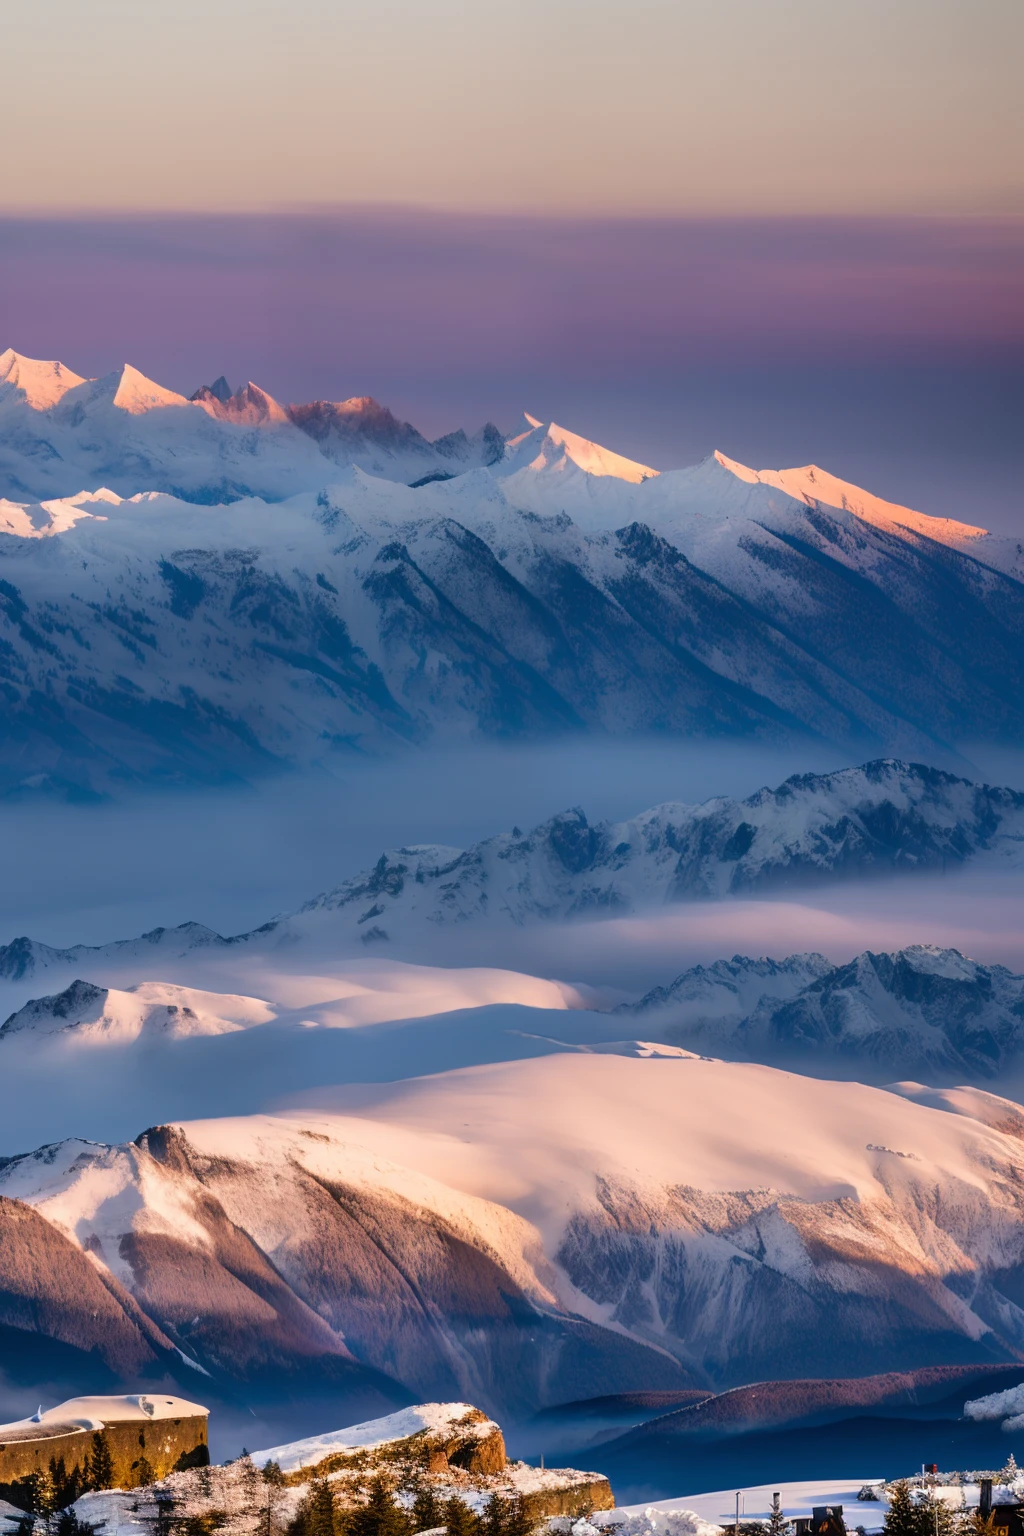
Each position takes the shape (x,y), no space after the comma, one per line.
(375,1432)
(95,1412)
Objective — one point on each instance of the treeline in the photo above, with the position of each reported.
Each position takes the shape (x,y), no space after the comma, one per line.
(46,1493)
(320,1514)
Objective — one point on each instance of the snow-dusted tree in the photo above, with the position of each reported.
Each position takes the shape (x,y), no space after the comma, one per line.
(903,1517)
(937,1518)
(1010,1472)
(380,1515)
(460,1519)
(426,1513)
(273,1482)
(316,1513)
(777,1524)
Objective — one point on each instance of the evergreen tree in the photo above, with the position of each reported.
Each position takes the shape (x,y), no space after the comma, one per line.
(143,1473)
(1011,1471)
(903,1517)
(45,1493)
(427,1514)
(460,1519)
(494,1516)
(777,1524)
(99,1467)
(315,1515)
(68,1524)
(380,1515)
(273,1482)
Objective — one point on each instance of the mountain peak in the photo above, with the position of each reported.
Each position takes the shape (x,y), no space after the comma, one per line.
(249,406)
(815,487)
(546,445)
(40,384)
(136,394)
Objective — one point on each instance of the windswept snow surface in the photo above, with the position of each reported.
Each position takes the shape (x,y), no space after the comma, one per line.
(646,1198)
(94,1412)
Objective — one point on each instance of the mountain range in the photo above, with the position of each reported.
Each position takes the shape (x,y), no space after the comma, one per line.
(483,1228)
(225,586)
(920,1009)
(885,818)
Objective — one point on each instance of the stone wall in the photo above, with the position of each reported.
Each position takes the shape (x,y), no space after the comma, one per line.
(575,1499)
(160,1442)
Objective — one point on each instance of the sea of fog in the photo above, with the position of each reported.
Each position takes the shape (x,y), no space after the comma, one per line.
(234,857)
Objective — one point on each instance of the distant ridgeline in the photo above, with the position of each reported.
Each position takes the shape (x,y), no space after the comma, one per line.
(197,588)
(99,1442)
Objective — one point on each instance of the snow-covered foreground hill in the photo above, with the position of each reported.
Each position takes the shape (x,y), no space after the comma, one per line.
(884,818)
(541,584)
(531,1232)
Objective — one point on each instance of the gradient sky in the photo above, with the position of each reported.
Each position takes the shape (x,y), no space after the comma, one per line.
(573,106)
(889,351)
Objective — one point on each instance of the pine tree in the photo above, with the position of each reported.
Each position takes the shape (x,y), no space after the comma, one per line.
(460,1519)
(273,1480)
(315,1515)
(1011,1471)
(903,1517)
(380,1515)
(45,1493)
(494,1516)
(99,1467)
(68,1524)
(142,1473)
(937,1518)
(777,1524)
(426,1510)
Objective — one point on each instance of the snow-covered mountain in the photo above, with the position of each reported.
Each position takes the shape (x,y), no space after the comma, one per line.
(514,587)
(534,1232)
(920,1009)
(885,818)
(61,434)
(103,1015)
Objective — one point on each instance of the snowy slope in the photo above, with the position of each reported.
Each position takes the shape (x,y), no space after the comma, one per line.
(60,434)
(921,1009)
(885,818)
(540,585)
(746,1221)
(882,818)
(93,1015)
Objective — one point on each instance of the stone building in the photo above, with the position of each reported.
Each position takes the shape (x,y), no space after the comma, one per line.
(147,1435)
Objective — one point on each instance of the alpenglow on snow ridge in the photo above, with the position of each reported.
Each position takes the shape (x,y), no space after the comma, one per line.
(345,1249)
(225,585)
